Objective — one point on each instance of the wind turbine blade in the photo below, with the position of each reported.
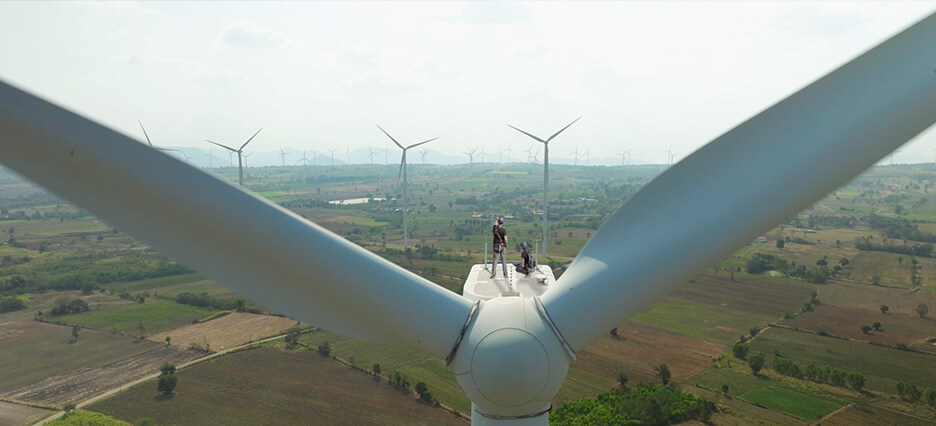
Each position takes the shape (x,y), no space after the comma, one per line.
(253,246)
(167,149)
(391,137)
(525,133)
(144,133)
(418,144)
(248,140)
(563,129)
(222,146)
(746,181)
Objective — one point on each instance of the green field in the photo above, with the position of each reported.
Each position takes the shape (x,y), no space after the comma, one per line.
(156,315)
(789,401)
(270,386)
(882,367)
(719,310)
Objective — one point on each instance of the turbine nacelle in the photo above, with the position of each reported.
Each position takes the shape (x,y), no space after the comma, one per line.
(510,362)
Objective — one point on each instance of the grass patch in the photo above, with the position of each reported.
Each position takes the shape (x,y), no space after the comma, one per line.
(156,315)
(797,404)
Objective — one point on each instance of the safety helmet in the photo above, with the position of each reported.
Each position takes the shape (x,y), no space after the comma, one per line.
(524,245)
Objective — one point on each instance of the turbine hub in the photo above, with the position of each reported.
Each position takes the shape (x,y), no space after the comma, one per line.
(510,362)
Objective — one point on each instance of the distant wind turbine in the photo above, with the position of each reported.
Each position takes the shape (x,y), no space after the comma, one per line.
(482,153)
(545,173)
(576,155)
(303,160)
(403,173)
(348,149)
(669,153)
(283,156)
(151,143)
(370,155)
(333,151)
(587,156)
(509,151)
(423,151)
(470,153)
(240,152)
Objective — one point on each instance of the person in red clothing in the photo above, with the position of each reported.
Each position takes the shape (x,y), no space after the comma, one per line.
(500,246)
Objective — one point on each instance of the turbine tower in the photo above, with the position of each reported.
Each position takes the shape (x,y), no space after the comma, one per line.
(403,173)
(575,154)
(348,150)
(333,151)
(283,156)
(240,154)
(482,154)
(370,155)
(587,156)
(509,151)
(423,151)
(510,355)
(546,172)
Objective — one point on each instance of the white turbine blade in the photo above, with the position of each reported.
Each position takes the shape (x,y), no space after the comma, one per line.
(400,172)
(167,149)
(251,245)
(248,140)
(144,133)
(418,144)
(748,180)
(562,130)
(391,137)
(525,133)
(222,146)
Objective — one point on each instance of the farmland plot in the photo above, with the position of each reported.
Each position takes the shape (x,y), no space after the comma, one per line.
(228,331)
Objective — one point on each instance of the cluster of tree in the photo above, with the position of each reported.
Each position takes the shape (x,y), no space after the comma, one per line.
(75,417)
(206,301)
(10,304)
(292,337)
(899,228)
(922,250)
(8,260)
(642,404)
(815,373)
(762,262)
(167,379)
(68,305)
(139,297)
(83,273)
(867,328)
(911,393)
(423,391)
(834,221)
(429,252)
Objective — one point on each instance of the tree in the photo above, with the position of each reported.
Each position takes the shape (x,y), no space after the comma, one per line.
(876,325)
(930,397)
(614,332)
(757,362)
(922,310)
(168,339)
(663,373)
(167,383)
(837,377)
(780,243)
(68,408)
(167,368)
(622,379)
(376,369)
(724,389)
(140,327)
(865,329)
(324,349)
(899,260)
(75,331)
(884,309)
(856,380)
(740,350)
(822,263)
(876,280)
(844,262)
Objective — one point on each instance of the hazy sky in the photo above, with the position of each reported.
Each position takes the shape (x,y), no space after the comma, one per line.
(318,75)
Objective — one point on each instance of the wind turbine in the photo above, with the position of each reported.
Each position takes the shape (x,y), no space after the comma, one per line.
(283,156)
(333,151)
(482,153)
(509,151)
(423,151)
(587,156)
(670,154)
(303,160)
(239,152)
(624,154)
(403,172)
(151,143)
(348,149)
(510,354)
(370,155)
(546,172)
(576,155)
(470,153)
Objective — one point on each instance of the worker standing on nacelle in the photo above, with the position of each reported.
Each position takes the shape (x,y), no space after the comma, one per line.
(500,246)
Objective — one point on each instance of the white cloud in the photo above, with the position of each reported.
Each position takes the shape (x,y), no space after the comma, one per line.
(245,34)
